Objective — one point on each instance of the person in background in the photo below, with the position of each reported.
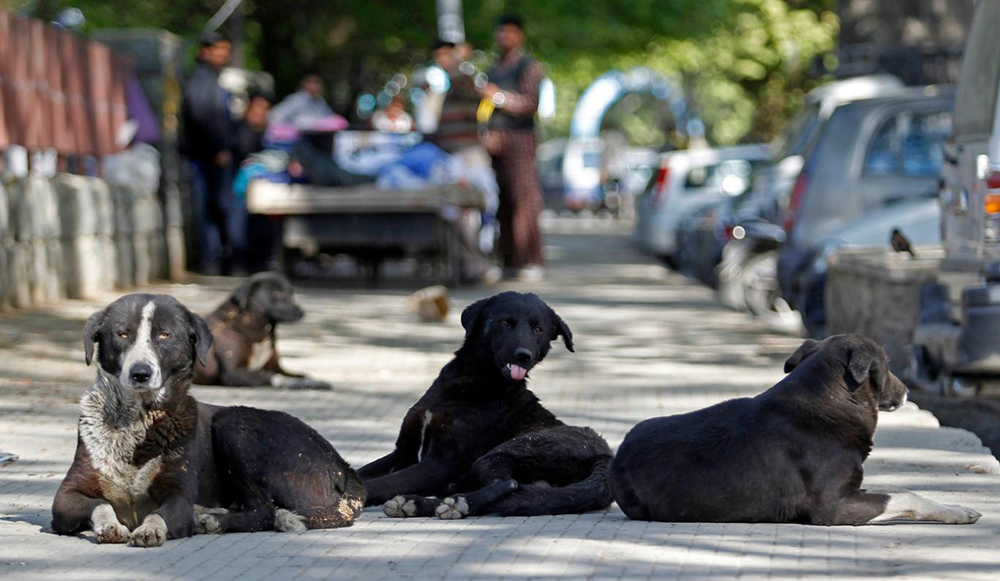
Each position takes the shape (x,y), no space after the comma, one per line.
(457,126)
(510,140)
(249,136)
(303,106)
(249,139)
(394,118)
(208,132)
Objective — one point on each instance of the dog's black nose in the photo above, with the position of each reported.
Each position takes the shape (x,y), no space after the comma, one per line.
(140,373)
(522,355)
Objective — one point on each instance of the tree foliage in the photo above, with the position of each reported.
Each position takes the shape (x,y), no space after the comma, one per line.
(746,63)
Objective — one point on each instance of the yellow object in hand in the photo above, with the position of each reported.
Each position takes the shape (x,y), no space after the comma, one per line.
(485,110)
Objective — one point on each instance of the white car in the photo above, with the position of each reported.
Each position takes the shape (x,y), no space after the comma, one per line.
(685,182)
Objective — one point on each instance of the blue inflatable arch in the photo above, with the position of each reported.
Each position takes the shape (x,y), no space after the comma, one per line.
(610,87)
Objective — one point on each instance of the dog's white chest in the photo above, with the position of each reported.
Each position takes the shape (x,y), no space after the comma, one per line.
(260,353)
(111,450)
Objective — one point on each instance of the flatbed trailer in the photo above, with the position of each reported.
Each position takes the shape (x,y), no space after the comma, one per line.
(369,223)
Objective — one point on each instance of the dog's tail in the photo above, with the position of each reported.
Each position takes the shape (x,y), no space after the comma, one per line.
(591,493)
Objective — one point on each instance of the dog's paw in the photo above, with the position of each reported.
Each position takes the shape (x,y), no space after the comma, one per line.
(399,507)
(451,508)
(151,533)
(959,515)
(207,524)
(111,533)
(286,521)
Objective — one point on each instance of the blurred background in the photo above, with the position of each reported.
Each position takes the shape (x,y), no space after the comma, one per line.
(747,63)
(824,166)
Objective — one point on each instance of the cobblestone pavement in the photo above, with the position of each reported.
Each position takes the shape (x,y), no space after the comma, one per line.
(648,344)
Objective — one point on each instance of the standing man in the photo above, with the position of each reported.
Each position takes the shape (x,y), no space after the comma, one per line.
(510,140)
(208,133)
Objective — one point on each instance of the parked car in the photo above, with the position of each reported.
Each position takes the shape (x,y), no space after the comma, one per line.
(962,351)
(748,264)
(549,162)
(772,181)
(685,182)
(970,198)
(870,154)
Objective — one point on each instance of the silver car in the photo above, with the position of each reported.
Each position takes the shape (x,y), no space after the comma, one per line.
(870,154)
(685,182)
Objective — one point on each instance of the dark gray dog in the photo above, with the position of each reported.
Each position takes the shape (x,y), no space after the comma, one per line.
(147,451)
(793,454)
(244,327)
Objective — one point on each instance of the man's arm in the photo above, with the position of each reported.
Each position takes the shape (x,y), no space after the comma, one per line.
(524,101)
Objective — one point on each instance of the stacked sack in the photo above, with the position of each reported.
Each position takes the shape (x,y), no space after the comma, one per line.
(76,236)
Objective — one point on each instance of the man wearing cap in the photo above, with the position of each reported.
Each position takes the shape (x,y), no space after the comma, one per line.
(510,140)
(208,132)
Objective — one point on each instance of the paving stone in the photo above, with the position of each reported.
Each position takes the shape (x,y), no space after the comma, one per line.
(648,343)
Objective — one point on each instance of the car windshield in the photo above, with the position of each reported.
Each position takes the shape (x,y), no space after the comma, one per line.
(795,139)
(909,144)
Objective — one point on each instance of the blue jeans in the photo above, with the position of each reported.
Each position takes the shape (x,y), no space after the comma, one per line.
(219,218)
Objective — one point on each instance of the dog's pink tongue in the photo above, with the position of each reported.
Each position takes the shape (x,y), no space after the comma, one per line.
(517,372)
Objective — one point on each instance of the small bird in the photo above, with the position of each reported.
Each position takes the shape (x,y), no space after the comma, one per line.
(900,243)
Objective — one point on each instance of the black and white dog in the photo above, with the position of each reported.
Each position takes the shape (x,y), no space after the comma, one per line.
(147,451)
(244,349)
(479,442)
(793,454)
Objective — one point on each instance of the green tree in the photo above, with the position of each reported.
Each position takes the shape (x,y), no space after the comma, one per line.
(745,62)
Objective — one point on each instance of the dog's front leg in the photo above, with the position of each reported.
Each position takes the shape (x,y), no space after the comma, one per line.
(174,519)
(73,511)
(379,467)
(78,505)
(910,506)
(424,478)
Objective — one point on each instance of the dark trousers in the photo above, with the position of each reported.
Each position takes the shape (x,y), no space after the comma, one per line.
(520,242)
(219,218)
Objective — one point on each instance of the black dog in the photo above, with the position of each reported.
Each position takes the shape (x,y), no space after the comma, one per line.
(244,352)
(793,454)
(479,431)
(147,451)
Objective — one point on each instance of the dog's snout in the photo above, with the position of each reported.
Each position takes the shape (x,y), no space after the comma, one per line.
(140,373)
(522,355)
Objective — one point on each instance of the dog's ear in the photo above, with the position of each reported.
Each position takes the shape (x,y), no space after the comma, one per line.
(804,351)
(859,365)
(241,296)
(471,314)
(201,335)
(863,362)
(90,334)
(561,328)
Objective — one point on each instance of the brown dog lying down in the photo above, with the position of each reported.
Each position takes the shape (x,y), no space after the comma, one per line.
(244,352)
(147,451)
(792,454)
